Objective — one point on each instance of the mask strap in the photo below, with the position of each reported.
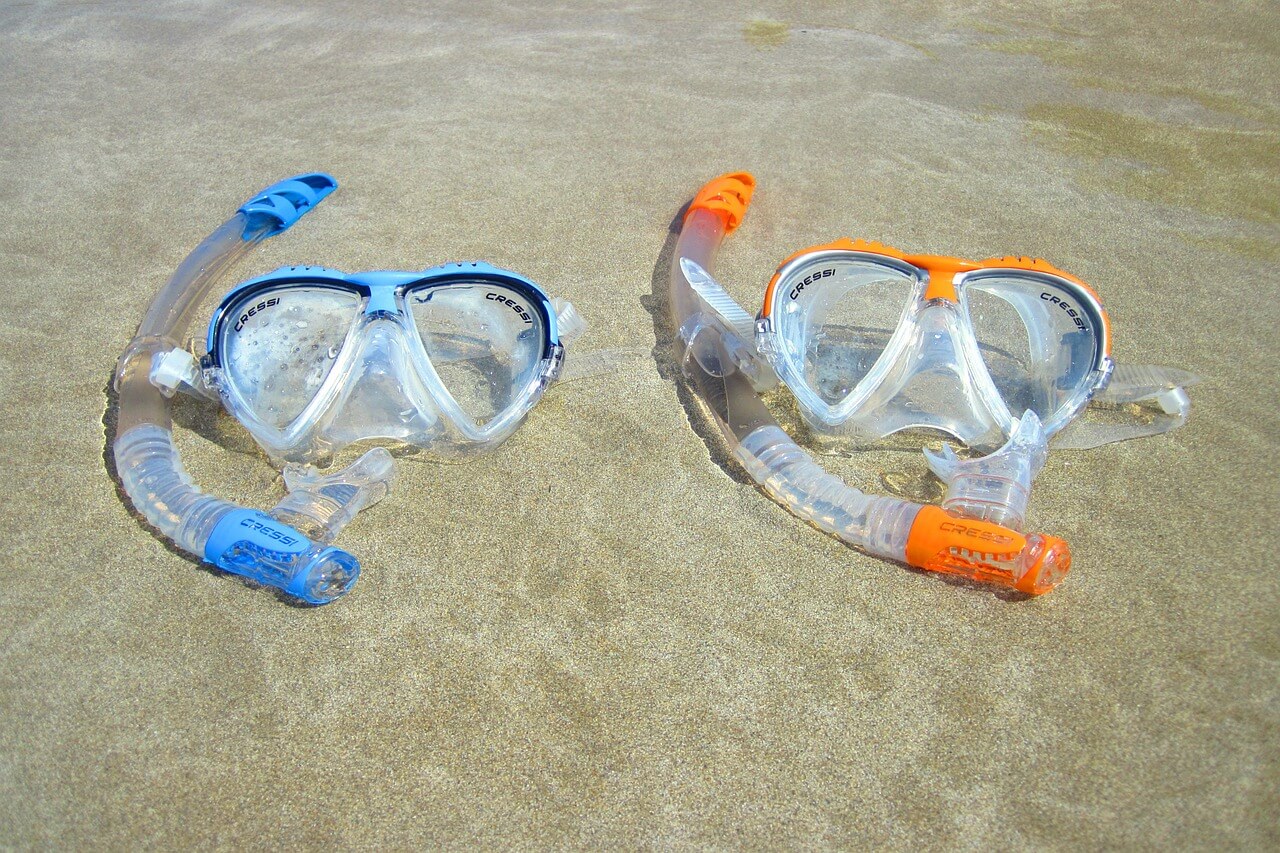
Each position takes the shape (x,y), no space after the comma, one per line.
(1149,400)
(570,326)
(719,300)
(602,362)
(719,303)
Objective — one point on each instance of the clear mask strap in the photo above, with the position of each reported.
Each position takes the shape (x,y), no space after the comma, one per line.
(719,300)
(570,326)
(720,305)
(1140,400)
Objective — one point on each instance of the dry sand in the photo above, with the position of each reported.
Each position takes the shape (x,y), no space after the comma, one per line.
(600,634)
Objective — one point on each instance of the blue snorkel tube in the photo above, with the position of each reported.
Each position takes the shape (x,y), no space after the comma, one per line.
(269,547)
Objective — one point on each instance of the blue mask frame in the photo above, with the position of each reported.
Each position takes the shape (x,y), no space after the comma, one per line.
(385,290)
(312,432)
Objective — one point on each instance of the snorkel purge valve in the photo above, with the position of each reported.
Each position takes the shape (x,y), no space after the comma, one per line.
(713,344)
(265,547)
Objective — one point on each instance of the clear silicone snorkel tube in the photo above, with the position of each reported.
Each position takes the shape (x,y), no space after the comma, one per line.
(726,371)
(269,548)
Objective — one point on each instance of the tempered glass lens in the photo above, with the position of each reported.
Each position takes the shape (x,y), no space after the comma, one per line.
(485,341)
(279,345)
(1037,340)
(836,316)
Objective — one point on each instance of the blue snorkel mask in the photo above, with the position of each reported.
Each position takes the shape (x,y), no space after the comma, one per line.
(309,360)
(449,360)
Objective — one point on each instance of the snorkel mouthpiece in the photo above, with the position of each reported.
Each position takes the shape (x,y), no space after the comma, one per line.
(996,487)
(986,552)
(320,505)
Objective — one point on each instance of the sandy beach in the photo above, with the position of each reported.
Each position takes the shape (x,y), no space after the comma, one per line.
(602,634)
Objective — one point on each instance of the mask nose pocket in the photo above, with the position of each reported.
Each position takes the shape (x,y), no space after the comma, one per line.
(278,346)
(384,397)
(930,381)
(934,371)
(485,342)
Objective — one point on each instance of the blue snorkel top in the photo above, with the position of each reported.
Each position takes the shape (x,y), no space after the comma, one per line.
(280,205)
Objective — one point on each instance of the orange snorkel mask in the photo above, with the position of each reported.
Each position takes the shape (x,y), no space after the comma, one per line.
(998,353)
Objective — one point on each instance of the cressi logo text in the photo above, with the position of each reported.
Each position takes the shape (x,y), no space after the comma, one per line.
(975,533)
(1071,312)
(810,279)
(261,306)
(269,531)
(510,303)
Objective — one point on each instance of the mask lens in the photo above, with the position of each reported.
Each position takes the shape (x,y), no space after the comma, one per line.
(836,317)
(278,346)
(1037,339)
(484,340)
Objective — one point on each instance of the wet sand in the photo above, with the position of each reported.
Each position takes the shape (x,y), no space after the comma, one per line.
(601,634)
